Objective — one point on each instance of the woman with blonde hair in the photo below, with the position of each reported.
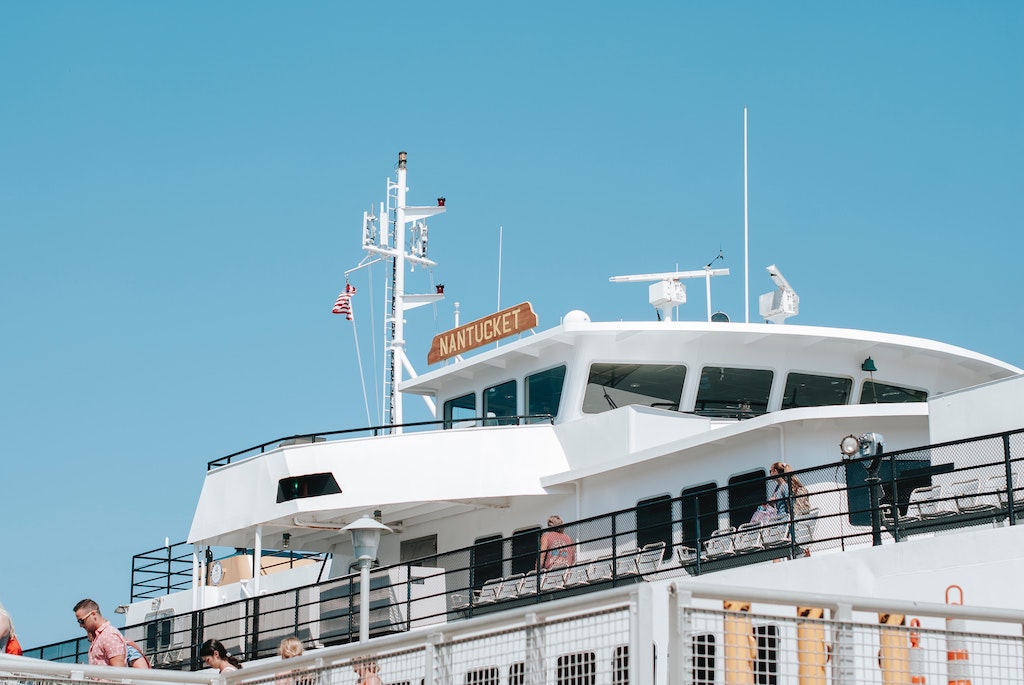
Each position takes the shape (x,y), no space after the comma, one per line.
(290,647)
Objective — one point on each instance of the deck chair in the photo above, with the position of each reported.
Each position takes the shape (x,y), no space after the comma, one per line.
(648,561)
(937,505)
(552,580)
(528,586)
(719,545)
(999,483)
(625,564)
(803,527)
(775,535)
(575,576)
(970,498)
(489,592)
(509,587)
(599,570)
(747,538)
(687,555)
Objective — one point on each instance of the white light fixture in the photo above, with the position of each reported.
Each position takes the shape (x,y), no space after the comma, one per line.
(365,540)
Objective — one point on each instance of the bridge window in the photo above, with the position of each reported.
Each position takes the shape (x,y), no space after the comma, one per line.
(500,401)
(486,560)
(704,659)
(654,522)
(576,669)
(746,492)
(883,393)
(525,549)
(733,393)
(312,485)
(620,665)
(611,386)
(483,676)
(700,513)
(459,409)
(544,391)
(810,390)
(766,666)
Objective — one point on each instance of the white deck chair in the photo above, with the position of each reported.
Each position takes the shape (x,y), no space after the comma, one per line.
(970,498)
(528,586)
(649,559)
(625,564)
(599,570)
(747,538)
(553,580)
(937,505)
(509,587)
(489,592)
(775,535)
(720,544)
(803,527)
(687,555)
(576,576)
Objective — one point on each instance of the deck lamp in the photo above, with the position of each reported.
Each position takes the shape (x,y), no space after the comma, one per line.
(365,540)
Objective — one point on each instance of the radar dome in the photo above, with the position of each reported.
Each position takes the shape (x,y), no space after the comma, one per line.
(576,316)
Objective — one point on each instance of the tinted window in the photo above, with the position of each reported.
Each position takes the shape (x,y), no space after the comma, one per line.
(486,560)
(733,393)
(525,550)
(544,391)
(883,393)
(459,409)
(499,402)
(312,485)
(654,522)
(611,386)
(700,513)
(746,492)
(809,390)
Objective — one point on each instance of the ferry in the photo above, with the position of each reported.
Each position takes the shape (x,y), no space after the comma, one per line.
(745,502)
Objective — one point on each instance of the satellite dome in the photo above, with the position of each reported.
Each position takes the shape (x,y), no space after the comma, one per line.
(576,316)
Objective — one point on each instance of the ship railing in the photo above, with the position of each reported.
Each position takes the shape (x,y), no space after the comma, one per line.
(659,538)
(651,634)
(374,431)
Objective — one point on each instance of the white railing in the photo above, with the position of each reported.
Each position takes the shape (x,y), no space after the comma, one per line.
(664,633)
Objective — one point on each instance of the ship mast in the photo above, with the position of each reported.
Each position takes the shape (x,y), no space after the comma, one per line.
(391,244)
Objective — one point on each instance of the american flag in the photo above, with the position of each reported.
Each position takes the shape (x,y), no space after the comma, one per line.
(343,305)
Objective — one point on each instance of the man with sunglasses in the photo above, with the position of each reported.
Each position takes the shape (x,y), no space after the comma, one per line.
(107,646)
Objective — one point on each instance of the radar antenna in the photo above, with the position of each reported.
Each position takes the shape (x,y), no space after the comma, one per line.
(666,292)
(776,307)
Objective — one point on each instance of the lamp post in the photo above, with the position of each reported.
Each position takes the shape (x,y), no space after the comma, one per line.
(365,541)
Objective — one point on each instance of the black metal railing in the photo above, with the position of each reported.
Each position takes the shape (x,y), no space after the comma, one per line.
(385,429)
(961,484)
(161,571)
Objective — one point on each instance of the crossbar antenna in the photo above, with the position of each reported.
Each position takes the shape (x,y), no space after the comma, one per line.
(667,292)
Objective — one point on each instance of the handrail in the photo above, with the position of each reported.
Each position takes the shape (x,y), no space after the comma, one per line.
(386,428)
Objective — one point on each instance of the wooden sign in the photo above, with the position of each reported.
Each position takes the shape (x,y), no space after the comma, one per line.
(481,332)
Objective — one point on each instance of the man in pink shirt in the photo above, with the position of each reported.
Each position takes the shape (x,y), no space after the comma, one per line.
(108,646)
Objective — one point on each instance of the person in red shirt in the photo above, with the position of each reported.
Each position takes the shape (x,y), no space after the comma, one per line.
(557,550)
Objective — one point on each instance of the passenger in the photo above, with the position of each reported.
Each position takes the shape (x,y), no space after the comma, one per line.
(107,646)
(557,550)
(214,655)
(291,647)
(780,493)
(8,642)
(367,670)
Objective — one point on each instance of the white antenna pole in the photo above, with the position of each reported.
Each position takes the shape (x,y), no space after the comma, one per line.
(746,240)
(398,298)
(499,267)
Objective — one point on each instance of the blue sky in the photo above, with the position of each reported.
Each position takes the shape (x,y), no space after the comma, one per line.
(182,185)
